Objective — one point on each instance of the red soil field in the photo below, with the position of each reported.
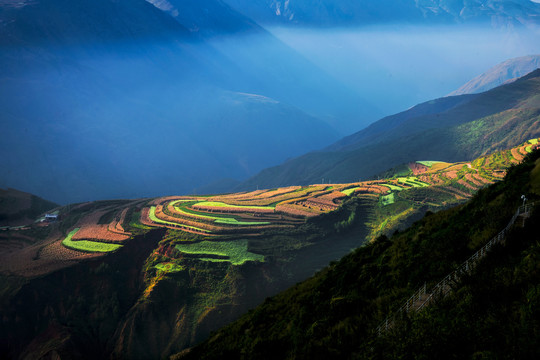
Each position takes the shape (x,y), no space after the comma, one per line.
(433,179)
(41,258)
(499,174)
(145,220)
(226,210)
(289,195)
(458,192)
(237,196)
(417,168)
(162,216)
(296,210)
(481,179)
(467,185)
(91,230)
(374,188)
(316,204)
(331,200)
(276,192)
(470,178)
(162,200)
(122,219)
(523,150)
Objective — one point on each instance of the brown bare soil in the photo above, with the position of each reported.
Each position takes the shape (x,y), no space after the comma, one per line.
(91,230)
(276,192)
(145,220)
(164,199)
(481,179)
(458,192)
(237,196)
(516,153)
(298,210)
(470,178)
(225,210)
(523,150)
(451,174)
(42,258)
(116,225)
(467,185)
(417,168)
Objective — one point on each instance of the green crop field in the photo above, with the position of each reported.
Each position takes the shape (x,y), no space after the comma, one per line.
(87,245)
(152,216)
(533,141)
(221,204)
(235,252)
(218,219)
(190,212)
(348,192)
(387,199)
(429,163)
(393,187)
(412,181)
(232,221)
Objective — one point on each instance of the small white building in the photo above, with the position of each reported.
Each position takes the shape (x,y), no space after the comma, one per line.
(51,217)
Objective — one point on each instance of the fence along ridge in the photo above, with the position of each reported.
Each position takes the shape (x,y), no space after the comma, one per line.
(422,298)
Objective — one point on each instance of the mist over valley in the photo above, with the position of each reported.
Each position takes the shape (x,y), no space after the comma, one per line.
(262,179)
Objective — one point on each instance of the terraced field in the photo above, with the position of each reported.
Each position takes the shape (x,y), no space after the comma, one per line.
(222,228)
(224,218)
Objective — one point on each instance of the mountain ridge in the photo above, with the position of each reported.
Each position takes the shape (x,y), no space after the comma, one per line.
(348,13)
(509,109)
(503,73)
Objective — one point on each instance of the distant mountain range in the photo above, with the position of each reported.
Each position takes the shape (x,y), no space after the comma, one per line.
(447,129)
(100,96)
(208,17)
(325,13)
(503,73)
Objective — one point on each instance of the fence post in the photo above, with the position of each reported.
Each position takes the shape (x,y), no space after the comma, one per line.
(443,287)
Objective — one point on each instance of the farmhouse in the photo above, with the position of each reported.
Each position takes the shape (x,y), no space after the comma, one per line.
(51,217)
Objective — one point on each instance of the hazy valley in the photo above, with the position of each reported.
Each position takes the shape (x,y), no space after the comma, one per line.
(269,180)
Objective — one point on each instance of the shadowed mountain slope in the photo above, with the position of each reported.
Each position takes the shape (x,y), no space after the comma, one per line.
(466,127)
(20,208)
(335,313)
(106,276)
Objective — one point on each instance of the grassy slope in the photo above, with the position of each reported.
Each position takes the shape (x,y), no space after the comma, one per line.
(491,121)
(334,313)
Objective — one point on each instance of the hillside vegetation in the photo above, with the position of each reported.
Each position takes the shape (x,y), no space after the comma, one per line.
(492,313)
